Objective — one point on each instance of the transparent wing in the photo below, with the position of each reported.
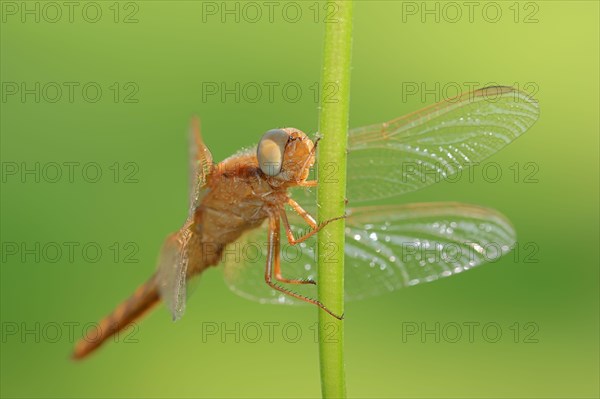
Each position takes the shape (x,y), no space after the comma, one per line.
(391,247)
(425,147)
(179,248)
(387,248)
(201,163)
(171,272)
(430,145)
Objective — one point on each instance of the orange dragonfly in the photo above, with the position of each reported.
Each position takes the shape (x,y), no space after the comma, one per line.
(388,247)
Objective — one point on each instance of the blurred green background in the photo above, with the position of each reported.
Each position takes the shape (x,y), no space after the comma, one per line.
(153,61)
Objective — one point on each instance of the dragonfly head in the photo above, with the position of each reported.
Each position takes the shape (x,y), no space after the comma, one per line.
(286,154)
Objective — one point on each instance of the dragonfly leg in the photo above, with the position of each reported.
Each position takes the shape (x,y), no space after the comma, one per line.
(300,211)
(273,263)
(309,219)
(308,183)
(277,267)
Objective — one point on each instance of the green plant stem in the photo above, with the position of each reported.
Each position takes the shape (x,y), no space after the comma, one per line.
(331,194)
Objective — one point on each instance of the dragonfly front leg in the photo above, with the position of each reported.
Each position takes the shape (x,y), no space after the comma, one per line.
(315,228)
(308,183)
(303,214)
(274,264)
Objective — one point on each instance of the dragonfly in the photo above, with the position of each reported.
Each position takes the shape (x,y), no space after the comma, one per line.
(254,212)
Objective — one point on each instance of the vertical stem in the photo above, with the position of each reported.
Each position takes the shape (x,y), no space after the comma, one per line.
(331,193)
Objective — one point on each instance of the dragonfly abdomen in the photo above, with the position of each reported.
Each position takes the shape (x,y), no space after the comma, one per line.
(144,298)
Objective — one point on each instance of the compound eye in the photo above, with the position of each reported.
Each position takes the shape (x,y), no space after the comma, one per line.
(270,151)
